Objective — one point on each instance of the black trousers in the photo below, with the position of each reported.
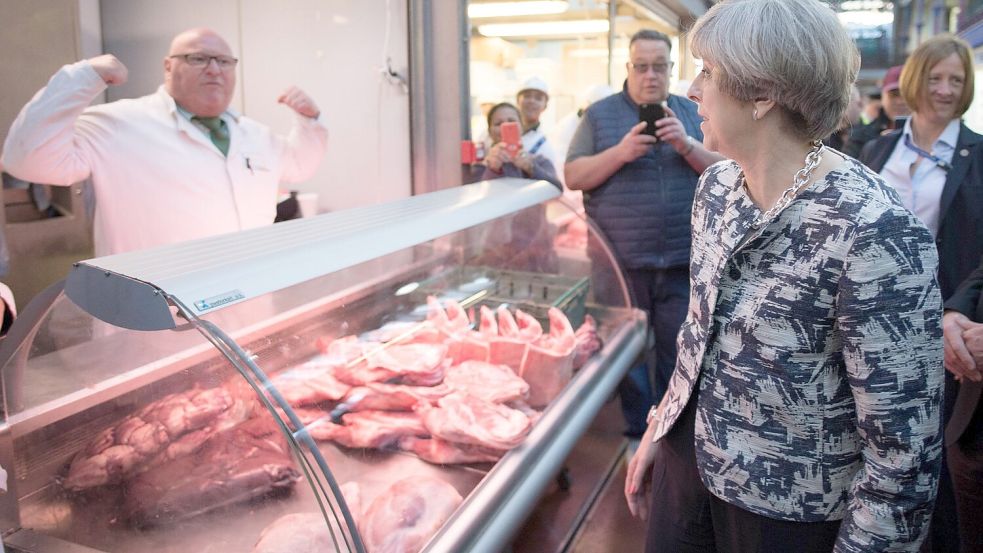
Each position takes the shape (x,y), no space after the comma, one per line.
(686,518)
(965,458)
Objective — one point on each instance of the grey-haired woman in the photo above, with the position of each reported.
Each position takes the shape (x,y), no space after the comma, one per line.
(803,413)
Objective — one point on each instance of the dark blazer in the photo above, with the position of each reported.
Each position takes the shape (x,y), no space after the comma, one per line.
(960,236)
(967,300)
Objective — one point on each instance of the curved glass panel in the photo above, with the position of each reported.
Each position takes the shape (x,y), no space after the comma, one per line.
(341,389)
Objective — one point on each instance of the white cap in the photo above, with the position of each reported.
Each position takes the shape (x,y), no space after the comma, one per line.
(534,83)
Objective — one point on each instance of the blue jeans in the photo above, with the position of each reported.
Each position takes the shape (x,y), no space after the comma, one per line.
(664,296)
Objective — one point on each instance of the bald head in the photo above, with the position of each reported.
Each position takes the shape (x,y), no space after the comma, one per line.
(202,90)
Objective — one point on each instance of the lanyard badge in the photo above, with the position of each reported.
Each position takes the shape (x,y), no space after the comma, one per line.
(939,162)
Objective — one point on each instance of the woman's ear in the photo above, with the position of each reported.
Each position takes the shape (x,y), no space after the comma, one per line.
(760,107)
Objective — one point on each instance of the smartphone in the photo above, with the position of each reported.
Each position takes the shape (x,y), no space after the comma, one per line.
(511,137)
(650,113)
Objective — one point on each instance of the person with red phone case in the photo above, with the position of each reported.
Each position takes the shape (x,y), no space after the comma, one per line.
(507,157)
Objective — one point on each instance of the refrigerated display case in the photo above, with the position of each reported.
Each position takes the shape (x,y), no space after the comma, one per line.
(187,397)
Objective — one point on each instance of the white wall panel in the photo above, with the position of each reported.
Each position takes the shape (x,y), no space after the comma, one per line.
(333,49)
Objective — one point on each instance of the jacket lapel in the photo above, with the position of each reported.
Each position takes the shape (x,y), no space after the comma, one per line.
(884,151)
(966,147)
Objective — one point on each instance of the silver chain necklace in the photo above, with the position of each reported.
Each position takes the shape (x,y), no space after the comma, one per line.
(813,159)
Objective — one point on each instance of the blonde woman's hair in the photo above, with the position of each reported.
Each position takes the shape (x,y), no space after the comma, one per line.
(914,76)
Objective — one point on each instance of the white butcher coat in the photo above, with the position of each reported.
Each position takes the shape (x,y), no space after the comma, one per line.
(158,179)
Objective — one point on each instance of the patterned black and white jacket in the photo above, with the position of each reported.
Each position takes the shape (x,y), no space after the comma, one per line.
(816,343)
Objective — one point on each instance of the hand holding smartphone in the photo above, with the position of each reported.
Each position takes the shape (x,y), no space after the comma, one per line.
(650,113)
(511,137)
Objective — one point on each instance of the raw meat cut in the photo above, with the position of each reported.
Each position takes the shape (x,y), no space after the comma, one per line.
(378,396)
(449,320)
(453,325)
(494,383)
(296,533)
(548,364)
(403,332)
(406,515)
(588,342)
(415,364)
(488,325)
(369,429)
(311,382)
(249,461)
(121,450)
(526,409)
(442,452)
(309,532)
(509,347)
(470,420)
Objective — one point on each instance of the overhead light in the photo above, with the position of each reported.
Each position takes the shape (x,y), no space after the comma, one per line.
(545,28)
(511,9)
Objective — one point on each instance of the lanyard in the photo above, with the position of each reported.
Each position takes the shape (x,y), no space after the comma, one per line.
(939,162)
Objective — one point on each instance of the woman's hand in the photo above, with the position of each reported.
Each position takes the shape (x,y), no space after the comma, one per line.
(524,161)
(958,357)
(639,478)
(497,156)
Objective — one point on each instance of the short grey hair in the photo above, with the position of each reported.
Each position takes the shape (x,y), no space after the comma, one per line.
(649,34)
(795,52)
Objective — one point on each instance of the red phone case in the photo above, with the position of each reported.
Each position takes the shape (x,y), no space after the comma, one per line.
(511,137)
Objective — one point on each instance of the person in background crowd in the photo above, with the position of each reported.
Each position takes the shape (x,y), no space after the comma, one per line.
(530,243)
(936,164)
(175,165)
(962,325)
(500,163)
(893,106)
(872,107)
(804,411)
(850,119)
(532,100)
(639,190)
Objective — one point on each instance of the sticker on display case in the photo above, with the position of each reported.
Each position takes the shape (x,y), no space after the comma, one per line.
(219,300)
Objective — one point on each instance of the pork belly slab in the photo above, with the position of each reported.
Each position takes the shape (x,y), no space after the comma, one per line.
(494,383)
(470,420)
(310,382)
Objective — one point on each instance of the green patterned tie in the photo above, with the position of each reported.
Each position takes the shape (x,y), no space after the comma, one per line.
(216,131)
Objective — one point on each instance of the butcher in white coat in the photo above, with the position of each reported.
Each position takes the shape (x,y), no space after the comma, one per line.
(174,165)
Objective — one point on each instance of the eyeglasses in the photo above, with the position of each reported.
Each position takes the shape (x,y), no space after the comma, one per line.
(202,60)
(643,68)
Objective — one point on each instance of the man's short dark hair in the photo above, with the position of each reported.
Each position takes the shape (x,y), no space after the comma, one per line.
(649,34)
